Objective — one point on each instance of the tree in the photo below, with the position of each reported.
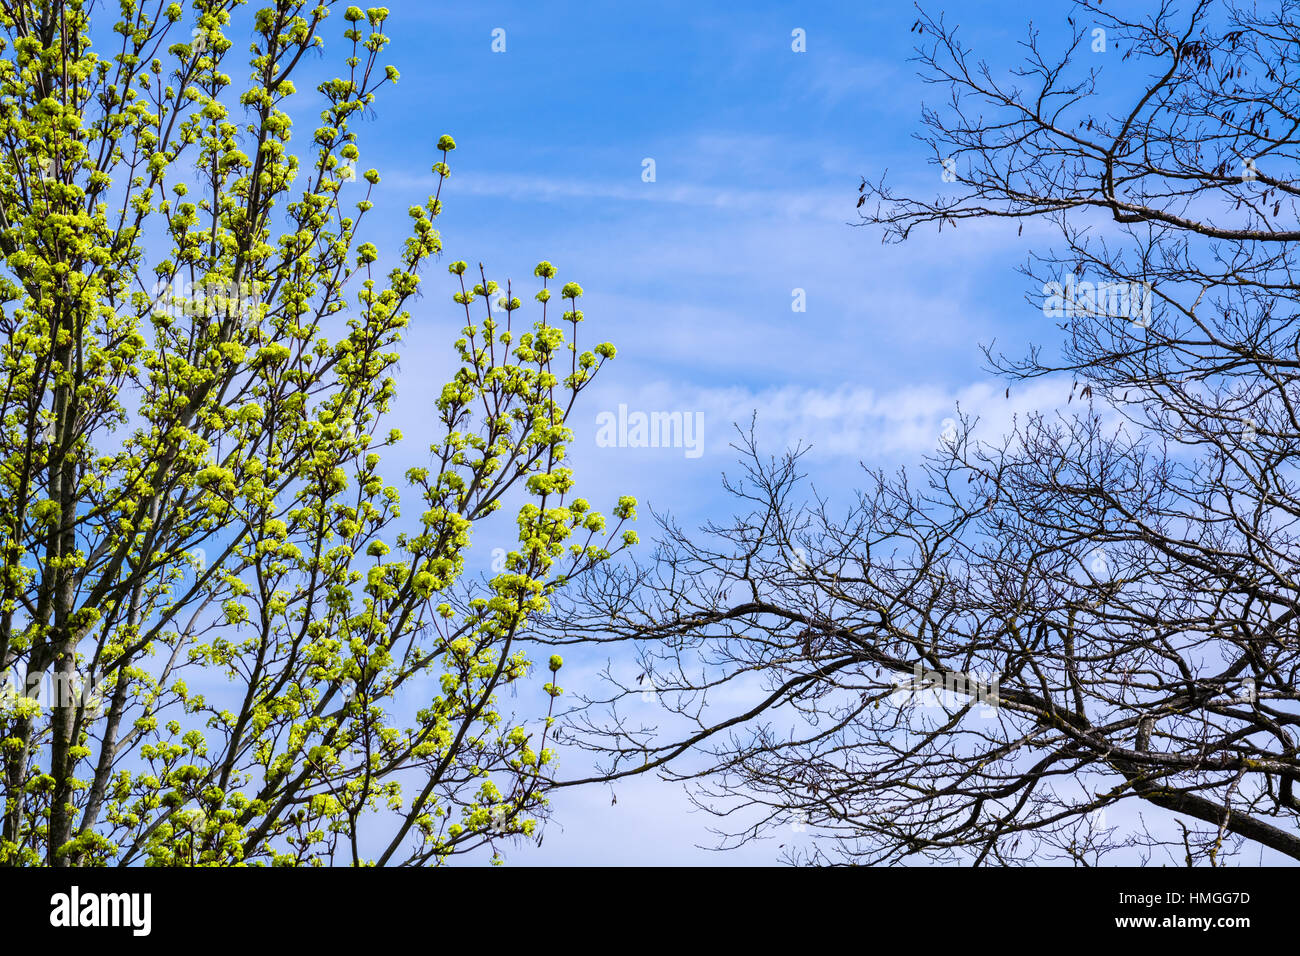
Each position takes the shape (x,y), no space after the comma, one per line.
(1049,636)
(221,640)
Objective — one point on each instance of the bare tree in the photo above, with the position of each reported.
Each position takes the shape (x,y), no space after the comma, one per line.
(1080,639)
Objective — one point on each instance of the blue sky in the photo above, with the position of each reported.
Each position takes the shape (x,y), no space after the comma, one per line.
(758,151)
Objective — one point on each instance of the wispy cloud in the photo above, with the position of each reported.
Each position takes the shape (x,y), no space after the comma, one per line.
(847,421)
(829,204)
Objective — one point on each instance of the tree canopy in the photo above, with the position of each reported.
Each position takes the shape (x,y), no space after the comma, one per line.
(224,642)
(1078,639)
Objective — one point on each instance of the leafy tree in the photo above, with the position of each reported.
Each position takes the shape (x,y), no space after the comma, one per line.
(223,643)
(1081,638)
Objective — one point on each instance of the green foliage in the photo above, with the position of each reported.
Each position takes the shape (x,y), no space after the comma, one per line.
(197,521)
